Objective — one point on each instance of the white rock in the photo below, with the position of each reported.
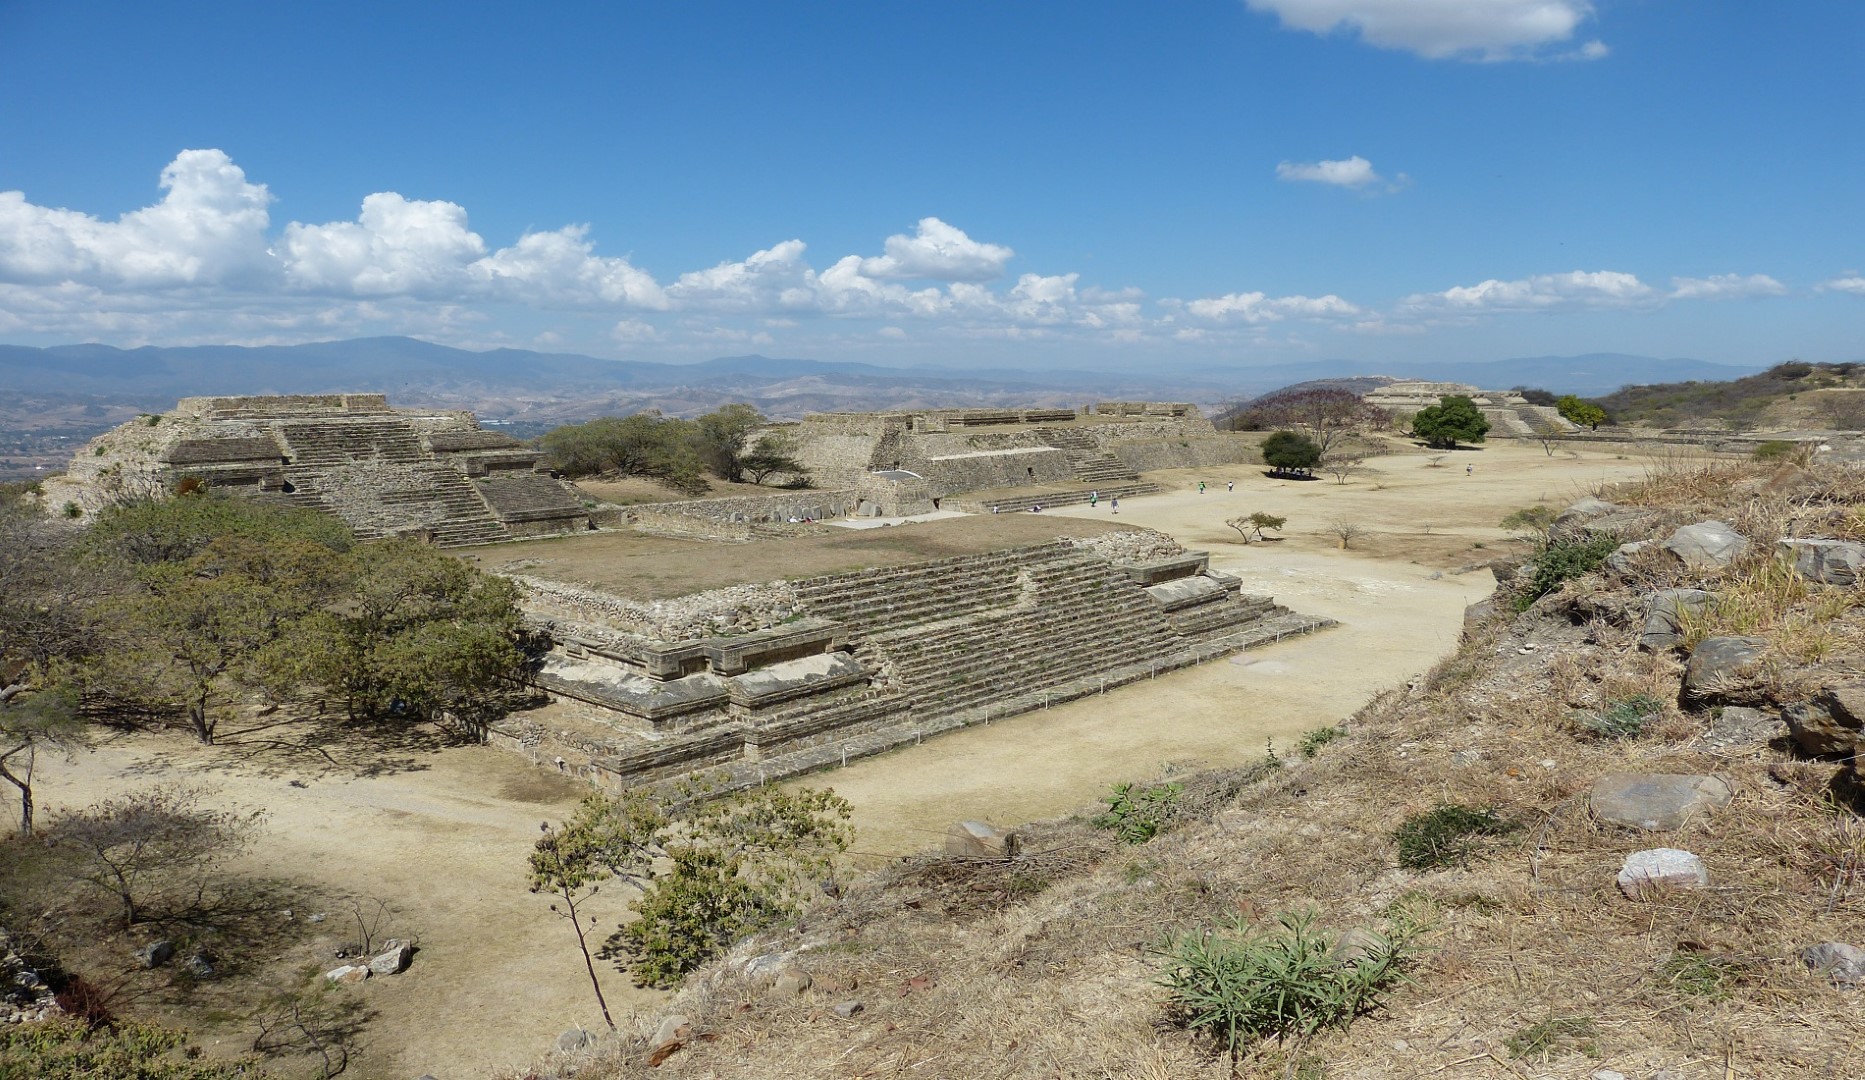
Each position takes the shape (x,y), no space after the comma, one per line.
(1656,869)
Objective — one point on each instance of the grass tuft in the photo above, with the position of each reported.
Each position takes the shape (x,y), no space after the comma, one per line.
(1446,834)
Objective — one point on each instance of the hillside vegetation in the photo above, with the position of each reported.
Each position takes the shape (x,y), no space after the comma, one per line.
(1793,394)
(1437,888)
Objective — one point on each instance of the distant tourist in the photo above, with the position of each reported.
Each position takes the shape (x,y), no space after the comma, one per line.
(1469,470)
(1115,503)
(1201,487)
(1230,486)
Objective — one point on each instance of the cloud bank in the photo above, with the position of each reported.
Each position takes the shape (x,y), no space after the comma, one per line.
(1487,30)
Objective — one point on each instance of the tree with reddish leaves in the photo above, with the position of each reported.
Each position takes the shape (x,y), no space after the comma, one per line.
(1324,414)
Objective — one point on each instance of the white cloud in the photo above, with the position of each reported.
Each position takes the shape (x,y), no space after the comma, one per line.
(1545,292)
(1846,283)
(892,333)
(396,247)
(1355,172)
(1446,29)
(209,228)
(1256,307)
(1725,287)
(937,252)
(633,332)
(560,268)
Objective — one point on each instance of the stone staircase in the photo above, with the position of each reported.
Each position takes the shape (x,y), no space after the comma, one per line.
(1087,462)
(1022,501)
(528,496)
(317,443)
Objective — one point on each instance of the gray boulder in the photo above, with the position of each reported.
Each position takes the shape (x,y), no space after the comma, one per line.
(1571,523)
(1658,869)
(348,974)
(1623,559)
(1707,545)
(848,1010)
(393,960)
(1664,611)
(980,839)
(792,982)
(1724,669)
(1655,800)
(575,1039)
(156,953)
(1842,963)
(1829,562)
(1832,724)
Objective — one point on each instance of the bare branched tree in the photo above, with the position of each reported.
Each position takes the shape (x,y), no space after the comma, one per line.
(1346,531)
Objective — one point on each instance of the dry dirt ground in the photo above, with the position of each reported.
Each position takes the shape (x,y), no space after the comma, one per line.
(442,834)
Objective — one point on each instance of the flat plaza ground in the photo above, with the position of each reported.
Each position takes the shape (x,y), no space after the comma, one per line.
(443,833)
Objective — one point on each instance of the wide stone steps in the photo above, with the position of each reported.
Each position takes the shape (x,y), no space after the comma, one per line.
(1102,468)
(311,443)
(902,597)
(1217,617)
(1021,502)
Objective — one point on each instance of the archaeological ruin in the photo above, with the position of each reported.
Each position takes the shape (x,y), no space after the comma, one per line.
(767,640)
(1509,414)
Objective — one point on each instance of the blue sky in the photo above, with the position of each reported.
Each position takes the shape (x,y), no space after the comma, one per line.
(1108,185)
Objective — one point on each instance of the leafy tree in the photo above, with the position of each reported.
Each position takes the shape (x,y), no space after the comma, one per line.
(151,532)
(721,437)
(72,1050)
(771,455)
(417,632)
(1289,452)
(1324,414)
(645,444)
(1536,396)
(1454,419)
(146,846)
(709,872)
(1584,413)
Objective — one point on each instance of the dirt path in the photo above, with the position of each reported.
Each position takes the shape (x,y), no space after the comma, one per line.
(1399,605)
(445,841)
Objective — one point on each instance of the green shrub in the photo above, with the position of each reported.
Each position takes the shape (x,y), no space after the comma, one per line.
(1624,718)
(1555,1034)
(1135,816)
(1313,741)
(1246,983)
(1446,834)
(1779,450)
(73,510)
(1562,562)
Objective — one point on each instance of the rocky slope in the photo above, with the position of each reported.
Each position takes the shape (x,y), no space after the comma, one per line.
(1658,717)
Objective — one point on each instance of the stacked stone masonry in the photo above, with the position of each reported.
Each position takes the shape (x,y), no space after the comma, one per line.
(435,476)
(874,658)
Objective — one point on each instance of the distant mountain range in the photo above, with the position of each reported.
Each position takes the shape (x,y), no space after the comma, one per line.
(519,385)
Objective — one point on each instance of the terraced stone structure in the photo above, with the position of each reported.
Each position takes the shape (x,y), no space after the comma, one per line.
(1010,458)
(436,475)
(1509,414)
(756,682)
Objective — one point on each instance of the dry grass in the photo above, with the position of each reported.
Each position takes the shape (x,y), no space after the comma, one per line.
(1535,966)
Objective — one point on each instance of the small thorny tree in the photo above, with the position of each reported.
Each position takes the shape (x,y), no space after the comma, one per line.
(708,871)
(147,846)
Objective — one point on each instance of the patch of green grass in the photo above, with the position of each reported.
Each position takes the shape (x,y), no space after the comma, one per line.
(1699,975)
(1560,563)
(1556,1034)
(1624,718)
(1135,815)
(1246,983)
(1446,834)
(1313,741)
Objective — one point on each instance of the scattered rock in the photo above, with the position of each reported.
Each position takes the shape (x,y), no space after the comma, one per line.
(1623,559)
(847,1010)
(1606,1074)
(1570,524)
(1832,724)
(1655,800)
(1664,611)
(1843,963)
(200,966)
(317,918)
(573,1040)
(156,953)
(1707,545)
(1829,562)
(1657,869)
(348,974)
(1739,725)
(1467,758)
(792,982)
(394,959)
(980,839)
(1723,668)
(668,1038)
(763,970)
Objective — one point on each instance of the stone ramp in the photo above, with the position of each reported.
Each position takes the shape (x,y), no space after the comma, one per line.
(324,443)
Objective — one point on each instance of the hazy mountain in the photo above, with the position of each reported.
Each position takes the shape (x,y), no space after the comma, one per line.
(520,382)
